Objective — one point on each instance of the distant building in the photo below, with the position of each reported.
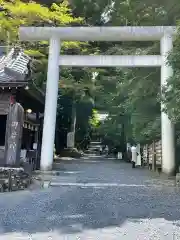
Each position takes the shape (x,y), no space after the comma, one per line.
(102,116)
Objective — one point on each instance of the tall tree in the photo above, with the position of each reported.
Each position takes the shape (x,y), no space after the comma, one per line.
(28,13)
(135,92)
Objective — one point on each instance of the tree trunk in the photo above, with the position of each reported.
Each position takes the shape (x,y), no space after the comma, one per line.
(71,134)
(73,118)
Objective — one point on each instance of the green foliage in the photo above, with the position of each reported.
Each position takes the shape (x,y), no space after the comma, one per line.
(31,13)
(131,96)
(78,83)
(111,130)
(94,120)
(90,11)
(171,91)
(18,13)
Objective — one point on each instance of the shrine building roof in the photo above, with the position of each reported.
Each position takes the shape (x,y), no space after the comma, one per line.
(14,68)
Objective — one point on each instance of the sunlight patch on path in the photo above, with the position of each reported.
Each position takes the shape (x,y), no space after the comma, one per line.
(136,229)
(71,184)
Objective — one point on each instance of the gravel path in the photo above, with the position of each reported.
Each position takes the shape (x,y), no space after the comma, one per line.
(96,200)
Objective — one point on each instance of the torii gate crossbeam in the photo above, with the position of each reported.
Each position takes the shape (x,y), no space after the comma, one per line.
(55,35)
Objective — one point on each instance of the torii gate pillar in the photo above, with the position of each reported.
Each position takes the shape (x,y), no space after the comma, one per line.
(167,128)
(47,149)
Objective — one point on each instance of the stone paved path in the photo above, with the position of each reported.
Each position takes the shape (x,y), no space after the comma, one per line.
(96,199)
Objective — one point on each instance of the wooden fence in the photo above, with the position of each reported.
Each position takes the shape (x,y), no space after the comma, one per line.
(152,155)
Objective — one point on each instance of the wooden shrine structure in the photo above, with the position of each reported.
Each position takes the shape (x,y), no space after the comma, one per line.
(21,115)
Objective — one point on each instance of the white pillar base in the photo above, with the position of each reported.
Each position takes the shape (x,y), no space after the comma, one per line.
(167,128)
(168,145)
(47,150)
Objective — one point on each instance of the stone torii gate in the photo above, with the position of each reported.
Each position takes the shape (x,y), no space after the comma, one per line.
(55,35)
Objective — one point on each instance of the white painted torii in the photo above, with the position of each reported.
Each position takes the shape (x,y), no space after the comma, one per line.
(56,34)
